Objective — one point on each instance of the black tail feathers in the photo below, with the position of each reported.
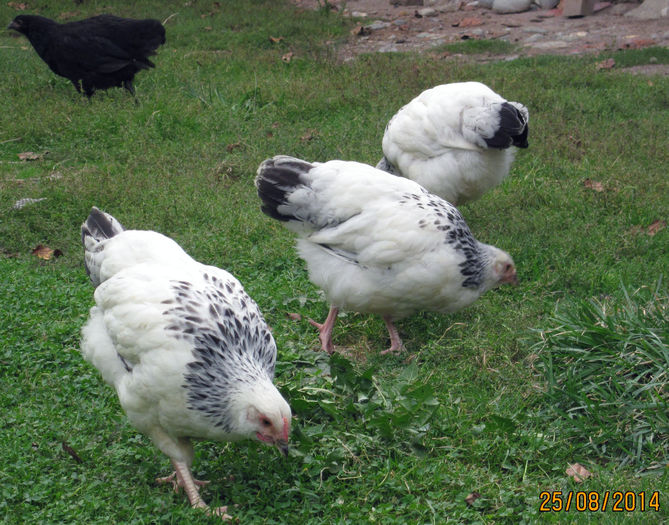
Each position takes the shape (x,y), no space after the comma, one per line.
(277,177)
(100,225)
(513,128)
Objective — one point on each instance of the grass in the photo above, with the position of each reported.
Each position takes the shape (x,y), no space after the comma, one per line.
(497,399)
(606,364)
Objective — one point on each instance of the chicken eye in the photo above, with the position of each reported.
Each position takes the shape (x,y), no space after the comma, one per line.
(266,422)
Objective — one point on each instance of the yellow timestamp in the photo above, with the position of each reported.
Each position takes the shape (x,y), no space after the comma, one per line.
(593,501)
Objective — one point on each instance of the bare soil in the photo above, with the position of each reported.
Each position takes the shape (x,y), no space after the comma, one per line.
(533,32)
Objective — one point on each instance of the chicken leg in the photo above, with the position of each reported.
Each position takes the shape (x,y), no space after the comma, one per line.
(396,345)
(325,330)
(185,479)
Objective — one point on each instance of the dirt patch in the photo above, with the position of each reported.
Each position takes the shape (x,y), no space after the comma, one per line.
(388,28)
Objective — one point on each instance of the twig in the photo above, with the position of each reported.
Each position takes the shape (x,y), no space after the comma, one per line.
(166,20)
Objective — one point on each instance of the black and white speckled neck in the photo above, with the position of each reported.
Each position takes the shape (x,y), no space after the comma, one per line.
(233,348)
(446,218)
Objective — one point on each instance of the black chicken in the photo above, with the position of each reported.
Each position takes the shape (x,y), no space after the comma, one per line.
(96,53)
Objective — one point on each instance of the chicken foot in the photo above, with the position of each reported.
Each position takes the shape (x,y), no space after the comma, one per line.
(325,330)
(185,479)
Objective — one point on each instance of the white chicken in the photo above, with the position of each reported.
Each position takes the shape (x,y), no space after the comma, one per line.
(456,140)
(377,243)
(185,347)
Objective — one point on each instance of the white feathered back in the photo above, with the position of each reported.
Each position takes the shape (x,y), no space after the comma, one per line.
(455,140)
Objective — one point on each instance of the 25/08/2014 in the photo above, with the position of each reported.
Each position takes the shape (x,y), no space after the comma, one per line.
(593,501)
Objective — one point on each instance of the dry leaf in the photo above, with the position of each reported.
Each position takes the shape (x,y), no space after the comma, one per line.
(469,22)
(287,57)
(471,498)
(208,28)
(46,253)
(275,40)
(18,6)
(361,30)
(232,147)
(578,472)
(593,185)
(442,55)
(293,316)
(31,155)
(639,43)
(67,448)
(606,64)
(656,226)
(309,135)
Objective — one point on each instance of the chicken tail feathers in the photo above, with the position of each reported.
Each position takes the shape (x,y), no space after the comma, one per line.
(513,128)
(387,166)
(277,178)
(98,227)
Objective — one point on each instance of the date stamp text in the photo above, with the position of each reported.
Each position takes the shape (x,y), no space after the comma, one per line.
(593,501)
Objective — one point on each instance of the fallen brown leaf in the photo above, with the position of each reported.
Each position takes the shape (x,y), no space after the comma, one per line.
(294,316)
(470,22)
(593,185)
(443,55)
(234,146)
(656,226)
(361,30)
(638,43)
(287,57)
(578,472)
(18,6)
(471,498)
(609,63)
(309,135)
(275,40)
(46,253)
(31,155)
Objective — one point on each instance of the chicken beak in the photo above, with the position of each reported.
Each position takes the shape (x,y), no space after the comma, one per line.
(13,25)
(510,278)
(283,447)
